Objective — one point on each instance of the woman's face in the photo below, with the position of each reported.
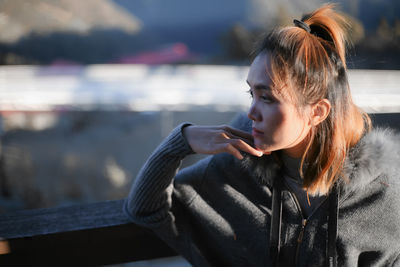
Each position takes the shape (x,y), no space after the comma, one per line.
(277,124)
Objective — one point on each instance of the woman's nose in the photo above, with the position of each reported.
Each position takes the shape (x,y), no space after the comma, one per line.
(252,113)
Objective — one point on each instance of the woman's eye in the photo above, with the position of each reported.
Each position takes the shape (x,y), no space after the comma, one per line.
(267,99)
(264,98)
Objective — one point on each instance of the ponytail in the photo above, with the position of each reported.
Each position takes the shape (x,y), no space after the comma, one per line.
(330,26)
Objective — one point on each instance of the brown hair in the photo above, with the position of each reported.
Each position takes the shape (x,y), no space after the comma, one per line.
(311,61)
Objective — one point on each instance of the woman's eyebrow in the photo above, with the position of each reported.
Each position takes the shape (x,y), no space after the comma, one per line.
(260,86)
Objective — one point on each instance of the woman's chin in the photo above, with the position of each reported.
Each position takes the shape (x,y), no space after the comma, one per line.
(263,148)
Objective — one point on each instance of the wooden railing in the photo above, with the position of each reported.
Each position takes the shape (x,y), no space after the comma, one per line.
(88,235)
(82,235)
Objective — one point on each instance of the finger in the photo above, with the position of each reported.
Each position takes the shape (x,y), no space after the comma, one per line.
(250,142)
(227,136)
(240,144)
(229,148)
(238,132)
(231,135)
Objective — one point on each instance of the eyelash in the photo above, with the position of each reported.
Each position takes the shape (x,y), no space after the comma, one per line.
(266,99)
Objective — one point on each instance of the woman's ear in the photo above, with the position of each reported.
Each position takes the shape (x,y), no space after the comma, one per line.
(320,111)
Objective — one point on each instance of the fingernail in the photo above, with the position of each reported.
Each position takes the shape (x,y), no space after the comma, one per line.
(260,154)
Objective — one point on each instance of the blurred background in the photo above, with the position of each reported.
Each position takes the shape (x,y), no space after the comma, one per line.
(62,32)
(89,88)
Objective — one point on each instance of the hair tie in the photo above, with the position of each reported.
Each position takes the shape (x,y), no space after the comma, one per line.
(302,24)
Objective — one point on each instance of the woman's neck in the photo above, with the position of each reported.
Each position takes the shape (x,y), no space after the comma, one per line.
(291,166)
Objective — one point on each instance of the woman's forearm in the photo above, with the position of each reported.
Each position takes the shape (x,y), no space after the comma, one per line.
(150,197)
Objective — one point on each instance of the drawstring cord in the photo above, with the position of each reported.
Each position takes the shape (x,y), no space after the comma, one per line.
(276,222)
(332,227)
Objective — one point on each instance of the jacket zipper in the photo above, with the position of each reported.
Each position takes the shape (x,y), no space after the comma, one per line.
(303,226)
(300,239)
(303,221)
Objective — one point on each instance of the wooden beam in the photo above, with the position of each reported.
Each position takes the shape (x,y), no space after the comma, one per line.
(82,235)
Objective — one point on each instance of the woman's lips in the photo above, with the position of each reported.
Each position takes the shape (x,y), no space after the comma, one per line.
(255,132)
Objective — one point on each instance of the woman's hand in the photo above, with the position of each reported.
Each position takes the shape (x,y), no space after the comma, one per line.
(218,139)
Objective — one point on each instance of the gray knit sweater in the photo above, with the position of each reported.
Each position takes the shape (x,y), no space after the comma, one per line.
(218,211)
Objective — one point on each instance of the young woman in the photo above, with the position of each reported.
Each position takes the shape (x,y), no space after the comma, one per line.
(302,181)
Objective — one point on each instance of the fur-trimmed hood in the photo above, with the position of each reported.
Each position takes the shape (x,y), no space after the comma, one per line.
(376,154)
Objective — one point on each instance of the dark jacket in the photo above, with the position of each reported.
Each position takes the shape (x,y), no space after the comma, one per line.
(218,211)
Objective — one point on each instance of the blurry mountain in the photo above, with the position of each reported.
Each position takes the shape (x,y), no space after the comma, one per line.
(206,26)
(19,18)
(43,31)
(221,32)
(189,13)
(250,13)
(264,14)
(200,24)
(371,12)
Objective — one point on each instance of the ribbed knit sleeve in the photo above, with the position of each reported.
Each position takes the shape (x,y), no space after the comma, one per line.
(149,200)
